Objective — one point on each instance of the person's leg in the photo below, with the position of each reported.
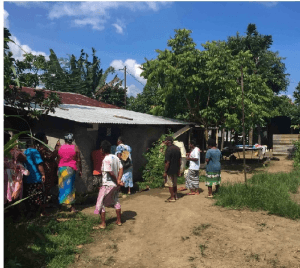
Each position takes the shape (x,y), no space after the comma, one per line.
(175,192)
(217,188)
(209,190)
(118,222)
(171,193)
(128,189)
(102,215)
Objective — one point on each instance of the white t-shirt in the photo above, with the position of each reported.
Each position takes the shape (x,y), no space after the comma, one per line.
(195,165)
(110,163)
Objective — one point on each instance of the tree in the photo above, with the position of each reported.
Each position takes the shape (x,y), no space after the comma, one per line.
(32,106)
(296,94)
(204,86)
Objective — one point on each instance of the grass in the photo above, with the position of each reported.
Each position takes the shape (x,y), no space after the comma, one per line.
(46,242)
(202,248)
(199,229)
(266,191)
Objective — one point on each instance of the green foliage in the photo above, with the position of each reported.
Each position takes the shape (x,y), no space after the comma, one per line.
(46,242)
(15,75)
(154,169)
(297,155)
(270,192)
(296,94)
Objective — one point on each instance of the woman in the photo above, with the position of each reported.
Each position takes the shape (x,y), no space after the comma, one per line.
(124,153)
(69,163)
(49,162)
(213,167)
(34,182)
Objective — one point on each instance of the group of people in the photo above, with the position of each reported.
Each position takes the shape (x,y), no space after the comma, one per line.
(173,162)
(34,174)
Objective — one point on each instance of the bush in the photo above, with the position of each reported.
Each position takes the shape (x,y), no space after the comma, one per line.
(297,155)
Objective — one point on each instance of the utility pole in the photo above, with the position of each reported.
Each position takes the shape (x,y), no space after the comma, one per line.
(125,86)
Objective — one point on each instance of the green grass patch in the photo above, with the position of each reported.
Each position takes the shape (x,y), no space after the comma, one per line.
(270,192)
(46,241)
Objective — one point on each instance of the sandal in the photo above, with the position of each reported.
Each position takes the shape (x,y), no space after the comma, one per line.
(99,227)
(190,193)
(209,196)
(170,200)
(119,223)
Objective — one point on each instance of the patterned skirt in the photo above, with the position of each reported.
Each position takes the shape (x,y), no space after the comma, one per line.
(213,178)
(192,179)
(127,178)
(66,180)
(108,197)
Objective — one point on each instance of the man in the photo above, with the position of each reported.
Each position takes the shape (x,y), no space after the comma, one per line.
(124,153)
(112,171)
(192,178)
(172,168)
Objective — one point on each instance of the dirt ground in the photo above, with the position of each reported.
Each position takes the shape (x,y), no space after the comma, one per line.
(192,232)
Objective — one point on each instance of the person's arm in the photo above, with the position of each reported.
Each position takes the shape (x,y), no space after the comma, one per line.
(167,164)
(41,170)
(119,182)
(179,173)
(78,160)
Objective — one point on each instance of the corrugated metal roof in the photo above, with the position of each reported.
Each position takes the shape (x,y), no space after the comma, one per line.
(89,114)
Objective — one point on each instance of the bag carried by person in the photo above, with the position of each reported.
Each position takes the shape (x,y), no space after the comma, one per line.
(126,162)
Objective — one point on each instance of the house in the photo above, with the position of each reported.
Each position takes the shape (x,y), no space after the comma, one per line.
(92,121)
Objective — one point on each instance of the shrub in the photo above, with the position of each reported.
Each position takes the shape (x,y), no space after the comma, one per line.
(297,155)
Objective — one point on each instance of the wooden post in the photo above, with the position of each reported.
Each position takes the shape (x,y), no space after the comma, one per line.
(217,137)
(222,138)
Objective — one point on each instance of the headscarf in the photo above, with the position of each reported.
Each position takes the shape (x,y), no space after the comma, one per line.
(69,137)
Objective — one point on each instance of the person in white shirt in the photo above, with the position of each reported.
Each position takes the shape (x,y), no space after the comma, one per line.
(192,177)
(112,171)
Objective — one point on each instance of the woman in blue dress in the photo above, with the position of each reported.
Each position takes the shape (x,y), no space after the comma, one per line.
(127,163)
(213,167)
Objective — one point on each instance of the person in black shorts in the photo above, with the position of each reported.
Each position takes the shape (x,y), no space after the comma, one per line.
(172,168)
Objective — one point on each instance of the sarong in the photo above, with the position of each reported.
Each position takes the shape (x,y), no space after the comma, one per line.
(108,196)
(127,178)
(213,178)
(66,180)
(192,179)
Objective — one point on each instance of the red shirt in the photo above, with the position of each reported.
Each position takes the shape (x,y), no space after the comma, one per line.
(97,158)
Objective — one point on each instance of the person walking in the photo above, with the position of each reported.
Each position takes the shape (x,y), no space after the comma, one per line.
(192,177)
(172,168)
(124,153)
(213,167)
(112,171)
(49,162)
(69,163)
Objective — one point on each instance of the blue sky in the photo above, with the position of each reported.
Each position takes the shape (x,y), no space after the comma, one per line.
(125,33)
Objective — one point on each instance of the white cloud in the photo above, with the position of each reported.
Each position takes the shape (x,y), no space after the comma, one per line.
(268,3)
(18,50)
(132,90)
(119,26)
(6,22)
(95,22)
(132,67)
(82,11)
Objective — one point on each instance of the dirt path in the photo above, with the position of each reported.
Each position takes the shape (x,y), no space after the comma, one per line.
(192,232)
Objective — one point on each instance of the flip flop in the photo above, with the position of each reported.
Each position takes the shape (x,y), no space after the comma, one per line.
(170,200)
(99,227)
(119,224)
(191,194)
(209,196)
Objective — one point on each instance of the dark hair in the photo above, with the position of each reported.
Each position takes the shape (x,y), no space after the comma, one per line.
(193,141)
(41,136)
(69,138)
(211,142)
(121,139)
(106,145)
(169,138)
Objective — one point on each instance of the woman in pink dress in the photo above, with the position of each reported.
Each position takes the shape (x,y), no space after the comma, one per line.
(69,163)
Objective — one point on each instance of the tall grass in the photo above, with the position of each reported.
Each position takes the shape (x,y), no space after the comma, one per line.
(46,242)
(270,192)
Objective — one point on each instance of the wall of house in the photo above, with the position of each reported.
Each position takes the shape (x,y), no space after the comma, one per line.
(138,137)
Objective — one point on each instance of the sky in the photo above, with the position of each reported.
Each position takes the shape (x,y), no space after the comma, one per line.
(128,33)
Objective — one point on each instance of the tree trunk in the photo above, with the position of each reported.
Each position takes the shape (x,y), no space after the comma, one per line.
(222,138)
(217,137)
(259,136)
(251,136)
